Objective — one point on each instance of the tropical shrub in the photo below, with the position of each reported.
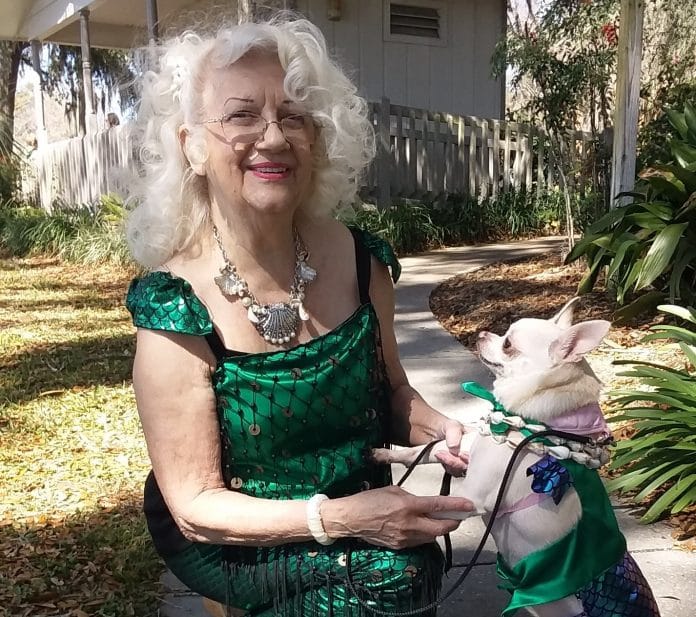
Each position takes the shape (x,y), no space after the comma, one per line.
(650,244)
(654,135)
(662,452)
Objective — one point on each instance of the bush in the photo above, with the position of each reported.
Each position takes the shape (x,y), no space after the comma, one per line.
(407,226)
(663,449)
(81,234)
(650,243)
(654,136)
(411,226)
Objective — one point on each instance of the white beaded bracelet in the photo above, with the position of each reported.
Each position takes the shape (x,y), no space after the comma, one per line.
(316,527)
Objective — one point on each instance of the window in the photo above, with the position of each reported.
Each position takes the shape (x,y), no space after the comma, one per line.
(415,21)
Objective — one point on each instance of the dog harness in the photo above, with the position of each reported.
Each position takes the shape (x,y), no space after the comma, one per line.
(603,575)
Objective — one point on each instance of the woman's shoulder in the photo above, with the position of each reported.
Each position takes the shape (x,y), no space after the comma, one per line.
(379,248)
(160,300)
(337,235)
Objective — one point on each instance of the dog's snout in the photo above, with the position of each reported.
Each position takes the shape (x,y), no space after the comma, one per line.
(483,334)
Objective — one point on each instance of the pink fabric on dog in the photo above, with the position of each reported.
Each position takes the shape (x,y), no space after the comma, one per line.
(587,420)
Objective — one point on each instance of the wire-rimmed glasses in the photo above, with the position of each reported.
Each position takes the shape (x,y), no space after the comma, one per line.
(248,127)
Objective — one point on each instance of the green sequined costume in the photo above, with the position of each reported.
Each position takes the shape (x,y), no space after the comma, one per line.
(293,423)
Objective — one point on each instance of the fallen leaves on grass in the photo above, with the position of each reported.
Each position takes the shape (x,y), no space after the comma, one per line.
(72,456)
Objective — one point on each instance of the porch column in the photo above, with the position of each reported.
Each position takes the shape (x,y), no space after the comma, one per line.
(152,21)
(90,112)
(246,11)
(623,169)
(39,114)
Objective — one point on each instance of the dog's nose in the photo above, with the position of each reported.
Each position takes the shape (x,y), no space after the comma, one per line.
(483,334)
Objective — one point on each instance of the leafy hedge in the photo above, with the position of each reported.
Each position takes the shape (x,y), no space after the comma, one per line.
(80,234)
(411,226)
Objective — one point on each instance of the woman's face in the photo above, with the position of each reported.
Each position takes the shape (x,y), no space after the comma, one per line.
(253,159)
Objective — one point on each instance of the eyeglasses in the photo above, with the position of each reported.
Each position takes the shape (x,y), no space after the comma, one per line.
(249,127)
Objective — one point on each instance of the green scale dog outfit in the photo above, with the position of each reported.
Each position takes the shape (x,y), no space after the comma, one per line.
(590,561)
(293,423)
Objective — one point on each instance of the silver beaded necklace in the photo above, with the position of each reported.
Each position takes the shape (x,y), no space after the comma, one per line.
(277,322)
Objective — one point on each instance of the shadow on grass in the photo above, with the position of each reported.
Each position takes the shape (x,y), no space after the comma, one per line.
(100,562)
(45,369)
(10,263)
(106,302)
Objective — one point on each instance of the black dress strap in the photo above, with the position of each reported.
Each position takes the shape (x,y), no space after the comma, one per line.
(363,263)
(216,345)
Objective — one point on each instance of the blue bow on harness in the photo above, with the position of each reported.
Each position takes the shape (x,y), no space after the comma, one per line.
(549,475)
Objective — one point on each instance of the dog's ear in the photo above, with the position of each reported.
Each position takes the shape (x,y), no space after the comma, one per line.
(564,317)
(574,342)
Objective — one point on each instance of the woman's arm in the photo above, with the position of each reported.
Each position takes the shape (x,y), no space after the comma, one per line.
(176,403)
(177,410)
(414,421)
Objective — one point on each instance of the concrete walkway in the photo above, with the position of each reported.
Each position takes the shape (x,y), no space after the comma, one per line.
(436,364)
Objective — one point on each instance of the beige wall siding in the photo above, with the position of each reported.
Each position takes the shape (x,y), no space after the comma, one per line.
(455,77)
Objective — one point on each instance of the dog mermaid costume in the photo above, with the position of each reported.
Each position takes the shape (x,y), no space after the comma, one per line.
(590,561)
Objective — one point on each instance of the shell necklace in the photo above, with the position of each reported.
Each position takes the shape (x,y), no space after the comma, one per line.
(277,322)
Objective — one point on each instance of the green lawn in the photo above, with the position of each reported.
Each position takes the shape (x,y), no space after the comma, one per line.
(72,457)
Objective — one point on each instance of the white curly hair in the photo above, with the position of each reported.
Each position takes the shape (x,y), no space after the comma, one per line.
(172,206)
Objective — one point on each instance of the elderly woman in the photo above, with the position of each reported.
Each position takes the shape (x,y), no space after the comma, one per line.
(266,366)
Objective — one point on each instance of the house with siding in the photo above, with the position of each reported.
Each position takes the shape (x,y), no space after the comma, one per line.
(432,54)
(409,58)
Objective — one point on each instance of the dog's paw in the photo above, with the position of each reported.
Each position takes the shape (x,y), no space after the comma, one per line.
(382,456)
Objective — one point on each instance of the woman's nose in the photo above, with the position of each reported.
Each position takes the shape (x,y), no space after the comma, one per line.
(273,138)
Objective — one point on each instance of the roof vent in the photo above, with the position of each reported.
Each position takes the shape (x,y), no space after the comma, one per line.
(411,20)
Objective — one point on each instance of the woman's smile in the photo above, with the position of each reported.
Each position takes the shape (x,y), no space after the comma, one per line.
(270,171)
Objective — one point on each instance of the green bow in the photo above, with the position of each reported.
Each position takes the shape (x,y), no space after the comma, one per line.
(476,389)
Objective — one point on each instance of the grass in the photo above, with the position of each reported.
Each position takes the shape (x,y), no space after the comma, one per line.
(72,456)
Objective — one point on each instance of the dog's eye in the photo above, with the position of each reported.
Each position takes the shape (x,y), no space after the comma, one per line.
(507,343)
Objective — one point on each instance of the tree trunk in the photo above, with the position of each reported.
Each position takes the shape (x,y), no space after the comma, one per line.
(10,58)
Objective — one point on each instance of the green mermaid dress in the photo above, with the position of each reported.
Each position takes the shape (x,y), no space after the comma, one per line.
(293,423)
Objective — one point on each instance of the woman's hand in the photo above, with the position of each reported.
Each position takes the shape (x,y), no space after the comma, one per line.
(454,460)
(391,517)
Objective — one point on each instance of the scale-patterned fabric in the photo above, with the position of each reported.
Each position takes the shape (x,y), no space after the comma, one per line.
(293,423)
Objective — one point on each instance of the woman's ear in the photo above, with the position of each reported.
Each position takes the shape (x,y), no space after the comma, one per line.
(186,140)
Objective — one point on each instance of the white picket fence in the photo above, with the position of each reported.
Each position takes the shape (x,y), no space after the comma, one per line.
(420,153)
(424,152)
(79,170)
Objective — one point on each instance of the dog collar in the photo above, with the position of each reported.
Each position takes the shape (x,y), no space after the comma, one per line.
(499,422)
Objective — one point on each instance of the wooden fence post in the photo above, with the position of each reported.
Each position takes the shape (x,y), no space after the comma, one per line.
(496,158)
(473,158)
(384,158)
(412,155)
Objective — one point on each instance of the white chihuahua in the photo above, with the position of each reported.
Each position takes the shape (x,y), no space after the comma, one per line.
(561,553)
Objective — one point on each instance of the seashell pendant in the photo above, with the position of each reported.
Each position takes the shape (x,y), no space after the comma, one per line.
(227,283)
(277,322)
(307,273)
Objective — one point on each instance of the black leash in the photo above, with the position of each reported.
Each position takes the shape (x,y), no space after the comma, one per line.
(448,545)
